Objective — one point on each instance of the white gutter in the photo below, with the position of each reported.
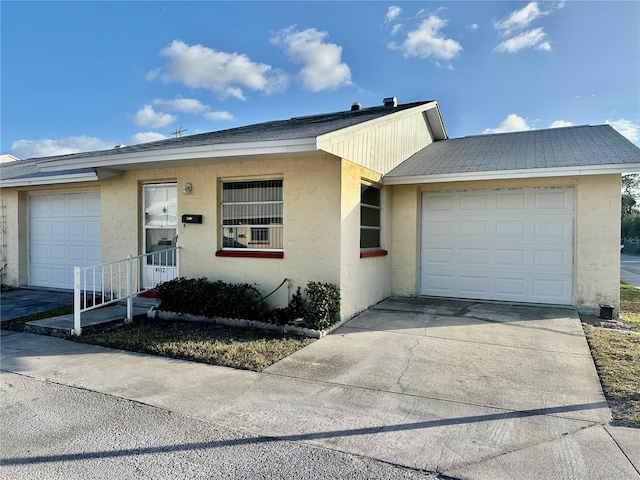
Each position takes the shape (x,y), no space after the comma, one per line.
(98,174)
(508,174)
(297,145)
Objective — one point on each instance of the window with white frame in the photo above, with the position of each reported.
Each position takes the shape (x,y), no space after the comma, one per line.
(252,215)
(369,216)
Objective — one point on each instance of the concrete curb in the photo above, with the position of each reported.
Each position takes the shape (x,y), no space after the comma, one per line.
(154,313)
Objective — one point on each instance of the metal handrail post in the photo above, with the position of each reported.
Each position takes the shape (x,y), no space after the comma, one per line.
(77,293)
(129,318)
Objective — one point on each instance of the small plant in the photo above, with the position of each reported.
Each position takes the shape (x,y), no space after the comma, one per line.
(323,304)
(297,307)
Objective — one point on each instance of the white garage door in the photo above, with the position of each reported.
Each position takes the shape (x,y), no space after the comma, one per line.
(514,245)
(64,231)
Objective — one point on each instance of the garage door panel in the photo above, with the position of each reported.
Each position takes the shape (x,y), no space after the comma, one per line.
(474,201)
(440,255)
(551,199)
(518,247)
(64,231)
(474,285)
(59,253)
(474,229)
(511,288)
(443,228)
(442,283)
(473,256)
(441,203)
(510,257)
(560,259)
(515,229)
(59,277)
(511,200)
(58,205)
(553,289)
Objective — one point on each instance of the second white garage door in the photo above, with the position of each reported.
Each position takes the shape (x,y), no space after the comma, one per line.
(514,245)
(64,231)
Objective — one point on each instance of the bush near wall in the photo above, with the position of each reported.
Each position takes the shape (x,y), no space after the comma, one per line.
(199,296)
(319,307)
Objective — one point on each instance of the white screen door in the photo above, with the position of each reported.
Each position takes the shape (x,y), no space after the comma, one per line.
(159,232)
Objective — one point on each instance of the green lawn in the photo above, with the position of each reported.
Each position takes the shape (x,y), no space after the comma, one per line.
(616,355)
(630,305)
(199,342)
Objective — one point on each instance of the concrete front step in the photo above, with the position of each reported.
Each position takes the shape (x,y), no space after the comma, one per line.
(63,325)
(142,302)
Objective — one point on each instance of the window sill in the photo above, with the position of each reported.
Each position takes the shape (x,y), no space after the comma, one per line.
(252,254)
(373,253)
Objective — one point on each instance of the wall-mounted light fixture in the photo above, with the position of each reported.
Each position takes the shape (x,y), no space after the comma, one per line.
(186,189)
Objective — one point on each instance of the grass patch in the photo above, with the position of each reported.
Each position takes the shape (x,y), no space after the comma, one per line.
(17,325)
(616,355)
(630,306)
(198,342)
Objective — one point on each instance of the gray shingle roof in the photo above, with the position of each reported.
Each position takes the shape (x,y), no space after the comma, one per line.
(297,127)
(29,169)
(552,148)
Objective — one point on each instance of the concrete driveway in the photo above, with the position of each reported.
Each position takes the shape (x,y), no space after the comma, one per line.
(446,386)
(468,389)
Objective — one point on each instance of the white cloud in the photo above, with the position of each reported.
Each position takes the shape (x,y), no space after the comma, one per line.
(392,13)
(323,68)
(427,41)
(560,124)
(520,19)
(47,147)
(517,21)
(227,74)
(145,137)
(529,39)
(396,28)
(184,105)
(218,116)
(473,26)
(628,128)
(513,123)
(148,117)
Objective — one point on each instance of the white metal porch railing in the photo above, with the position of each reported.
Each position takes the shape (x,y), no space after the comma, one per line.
(100,285)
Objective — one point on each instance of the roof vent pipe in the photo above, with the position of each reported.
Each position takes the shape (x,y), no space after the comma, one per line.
(390,102)
(355,106)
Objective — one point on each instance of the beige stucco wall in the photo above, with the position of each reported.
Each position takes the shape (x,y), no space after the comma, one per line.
(597,242)
(363,281)
(311,189)
(596,233)
(12,255)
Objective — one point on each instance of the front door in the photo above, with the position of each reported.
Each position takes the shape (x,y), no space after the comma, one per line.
(159,233)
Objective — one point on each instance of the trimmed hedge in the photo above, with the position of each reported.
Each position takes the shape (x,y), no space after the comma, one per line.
(199,296)
(319,307)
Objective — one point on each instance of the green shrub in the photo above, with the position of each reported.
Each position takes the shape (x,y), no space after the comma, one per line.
(297,307)
(323,304)
(199,296)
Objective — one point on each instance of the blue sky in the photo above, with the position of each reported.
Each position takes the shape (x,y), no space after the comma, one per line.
(80,76)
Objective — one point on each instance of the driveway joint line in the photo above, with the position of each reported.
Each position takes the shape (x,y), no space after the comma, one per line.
(621,450)
(522,447)
(469,341)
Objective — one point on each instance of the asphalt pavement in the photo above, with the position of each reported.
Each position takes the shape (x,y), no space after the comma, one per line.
(53,431)
(630,269)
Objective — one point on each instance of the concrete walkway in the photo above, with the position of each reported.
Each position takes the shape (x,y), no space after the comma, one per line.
(470,390)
